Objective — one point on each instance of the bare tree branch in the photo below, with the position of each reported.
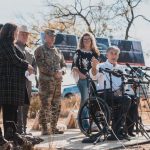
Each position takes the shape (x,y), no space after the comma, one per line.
(142,17)
(125,9)
(136,4)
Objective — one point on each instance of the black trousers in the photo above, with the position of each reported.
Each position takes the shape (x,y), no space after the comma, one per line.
(9,114)
(119,106)
(120,109)
(132,116)
(23,115)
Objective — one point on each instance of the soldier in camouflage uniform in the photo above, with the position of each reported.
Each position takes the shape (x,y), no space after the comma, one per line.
(51,64)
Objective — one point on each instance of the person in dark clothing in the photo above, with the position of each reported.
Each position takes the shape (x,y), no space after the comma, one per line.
(133,115)
(1,25)
(21,44)
(12,75)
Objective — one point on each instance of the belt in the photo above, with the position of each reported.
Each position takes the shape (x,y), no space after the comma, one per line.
(41,74)
(117,92)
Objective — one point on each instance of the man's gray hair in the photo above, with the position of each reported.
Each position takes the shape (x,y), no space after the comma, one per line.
(114,48)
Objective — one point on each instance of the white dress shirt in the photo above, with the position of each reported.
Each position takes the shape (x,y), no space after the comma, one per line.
(104,76)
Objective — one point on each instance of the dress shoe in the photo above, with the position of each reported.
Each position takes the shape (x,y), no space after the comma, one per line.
(126,137)
(131,134)
(11,129)
(91,139)
(112,137)
(4,144)
(57,131)
(33,139)
(18,139)
(26,133)
(45,132)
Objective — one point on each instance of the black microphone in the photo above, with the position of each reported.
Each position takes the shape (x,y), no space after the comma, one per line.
(145,68)
(142,73)
(138,73)
(132,69)
(114,72)
(108,70)
(105,70)
(101,70)
(128,65)
(118,71)
(127,70)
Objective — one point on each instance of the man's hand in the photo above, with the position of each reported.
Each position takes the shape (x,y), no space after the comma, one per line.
(30,69)
(94,63)
(63,70)
(58,74)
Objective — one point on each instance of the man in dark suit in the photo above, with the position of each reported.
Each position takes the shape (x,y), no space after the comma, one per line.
(1,25)
(23,110)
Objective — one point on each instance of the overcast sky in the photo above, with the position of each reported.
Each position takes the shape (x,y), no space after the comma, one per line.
(10,11)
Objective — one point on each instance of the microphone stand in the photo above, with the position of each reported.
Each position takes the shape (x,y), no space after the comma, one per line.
(139,125)
(112,96)
(124,105)
(111,89)
(105,124)
(140,81)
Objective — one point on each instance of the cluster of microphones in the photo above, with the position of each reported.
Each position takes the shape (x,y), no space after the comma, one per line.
(138,71)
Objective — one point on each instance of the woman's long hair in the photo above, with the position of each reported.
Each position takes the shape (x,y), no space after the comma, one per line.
(7,32)
(93,42)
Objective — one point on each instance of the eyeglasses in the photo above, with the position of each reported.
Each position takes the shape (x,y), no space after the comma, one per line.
(87,39)
(24,33)
(52,36)
(113,53)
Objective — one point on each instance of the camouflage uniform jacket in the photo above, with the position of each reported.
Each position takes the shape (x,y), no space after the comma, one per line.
(49,60)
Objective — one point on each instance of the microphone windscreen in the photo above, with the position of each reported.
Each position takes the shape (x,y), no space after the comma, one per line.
(127,65)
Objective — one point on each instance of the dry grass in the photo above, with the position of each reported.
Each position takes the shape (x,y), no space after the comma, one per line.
(67,104)
(73,103)
(34,106)
(144,111)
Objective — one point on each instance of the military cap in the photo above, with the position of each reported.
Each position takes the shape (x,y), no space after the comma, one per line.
(50,32)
